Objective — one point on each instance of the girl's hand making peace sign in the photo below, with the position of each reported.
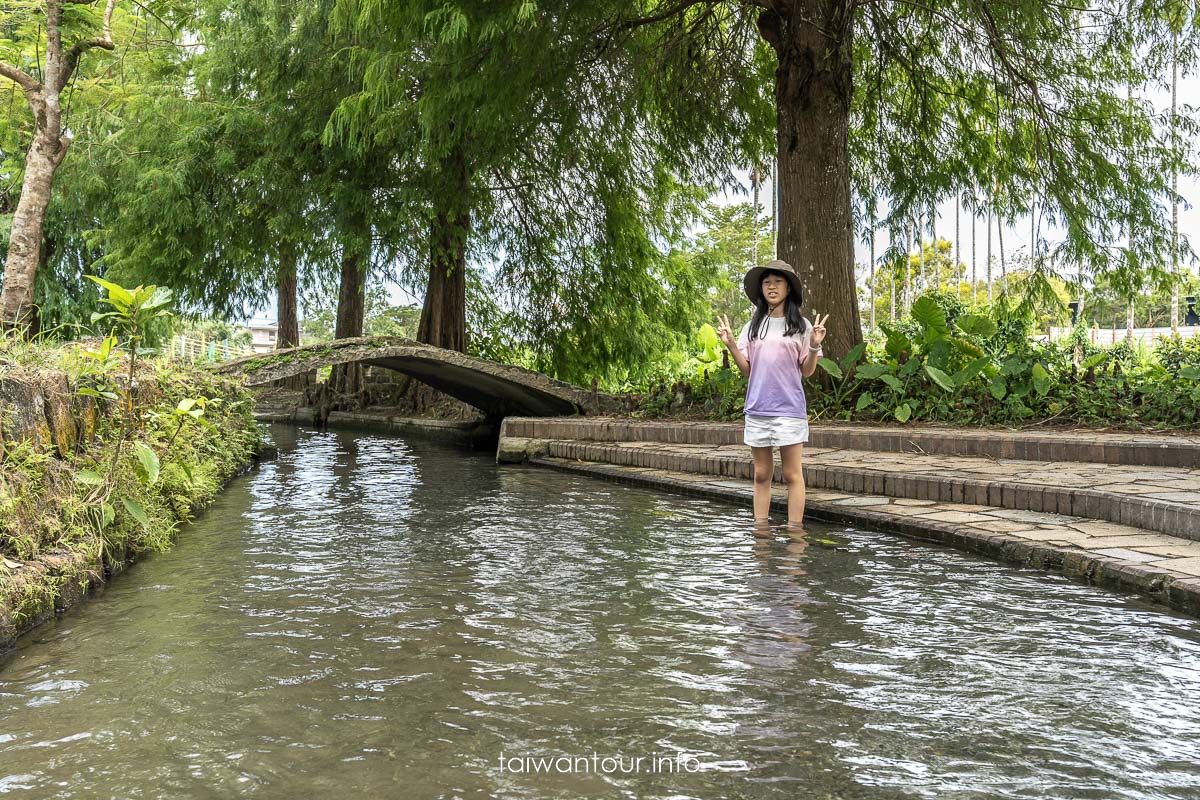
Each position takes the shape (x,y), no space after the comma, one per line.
(725,332)
(818,331)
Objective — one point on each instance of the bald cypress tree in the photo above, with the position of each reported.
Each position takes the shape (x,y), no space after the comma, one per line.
(923,99)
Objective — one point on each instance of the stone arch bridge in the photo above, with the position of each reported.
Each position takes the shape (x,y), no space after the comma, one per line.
(499,390)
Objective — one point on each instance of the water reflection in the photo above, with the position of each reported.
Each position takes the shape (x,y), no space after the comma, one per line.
(373,617)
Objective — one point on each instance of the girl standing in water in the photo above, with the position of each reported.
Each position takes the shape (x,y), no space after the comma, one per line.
(776,349)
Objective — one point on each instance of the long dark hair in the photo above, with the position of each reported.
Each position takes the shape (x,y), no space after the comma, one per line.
(791,310)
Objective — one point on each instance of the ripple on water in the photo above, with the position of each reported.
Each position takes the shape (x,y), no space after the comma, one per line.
(372,617)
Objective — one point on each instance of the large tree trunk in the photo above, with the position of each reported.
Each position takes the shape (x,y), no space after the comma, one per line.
(286,299)
(25,242)
(46,152)
(287,306)
(444,312)
(813,88)
(346,379)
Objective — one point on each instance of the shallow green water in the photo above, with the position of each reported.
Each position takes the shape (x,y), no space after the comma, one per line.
(373,617)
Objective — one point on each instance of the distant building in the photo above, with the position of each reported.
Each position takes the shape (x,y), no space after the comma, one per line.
(263,336)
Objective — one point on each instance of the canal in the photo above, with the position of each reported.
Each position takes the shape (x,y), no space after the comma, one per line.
(369,616)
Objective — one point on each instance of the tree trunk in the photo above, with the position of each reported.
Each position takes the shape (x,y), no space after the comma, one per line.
(286,299)
(287,308)
(25,240)
(444,312)
(346,379)
(813,40)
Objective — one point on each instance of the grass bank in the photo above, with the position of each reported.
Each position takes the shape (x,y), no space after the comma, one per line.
(100,463)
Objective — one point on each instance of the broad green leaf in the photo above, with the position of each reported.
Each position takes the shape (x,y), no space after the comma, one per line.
(998,387)
(107,515)
(89,477)
(118,294)
(870,371)
(903,412)
(851,358)
(893,382)
(1190,372)
(1094,360)
(147,463)
(865,400)
(136,511)
(976,325)
(830,366)
(964,375)
(940,378)
(897,342)
(160,297)
(186,404)
(927,312)
(1041,379)
(969,348)
(709,342)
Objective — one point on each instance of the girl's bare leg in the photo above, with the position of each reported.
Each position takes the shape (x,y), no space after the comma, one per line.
(764,469)
(793,476)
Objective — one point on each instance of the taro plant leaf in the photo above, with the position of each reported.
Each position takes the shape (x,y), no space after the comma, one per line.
(107,515)
(964,375)
(851,358)
(1191,372)
(147,465)
(998,387)
(927,312)
(976,325)
(1012,366)
(865,400)
(1094,360)
(940,378)
(870,371)
(939,353)
(910,367)
(969,348)
(893,382)
(136,511)
(897,342)
(1041,379)
(830,366)
(903,412)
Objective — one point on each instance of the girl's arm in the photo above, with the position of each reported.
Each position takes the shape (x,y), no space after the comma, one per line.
(809,363)
(725,333)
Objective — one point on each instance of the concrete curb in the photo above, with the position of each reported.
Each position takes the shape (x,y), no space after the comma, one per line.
(1129,449)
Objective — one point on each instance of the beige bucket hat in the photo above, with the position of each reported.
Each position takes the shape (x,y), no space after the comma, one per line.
(752,283)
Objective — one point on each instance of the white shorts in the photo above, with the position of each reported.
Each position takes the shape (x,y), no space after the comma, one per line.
(775,431)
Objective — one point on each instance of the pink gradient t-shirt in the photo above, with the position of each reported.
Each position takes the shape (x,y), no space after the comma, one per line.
(775,388)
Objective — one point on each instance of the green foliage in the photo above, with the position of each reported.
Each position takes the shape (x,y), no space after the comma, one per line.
(949,365)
